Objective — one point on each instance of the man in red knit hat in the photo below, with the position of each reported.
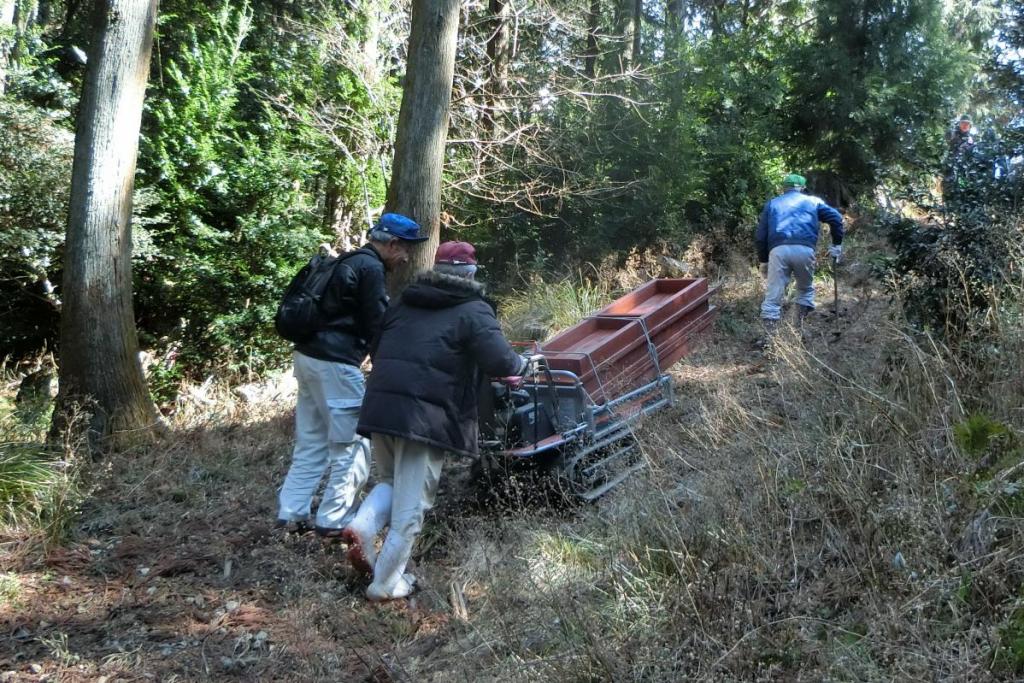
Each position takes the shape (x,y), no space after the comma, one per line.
(435,346)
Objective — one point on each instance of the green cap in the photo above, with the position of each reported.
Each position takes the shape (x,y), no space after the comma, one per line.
(794,180)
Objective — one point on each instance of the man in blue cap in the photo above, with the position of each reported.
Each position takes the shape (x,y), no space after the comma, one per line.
(331,385)
(786,237)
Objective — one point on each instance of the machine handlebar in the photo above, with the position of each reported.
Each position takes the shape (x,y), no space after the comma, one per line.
(534,361)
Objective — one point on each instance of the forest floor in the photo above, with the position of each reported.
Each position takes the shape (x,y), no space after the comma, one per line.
(695,569)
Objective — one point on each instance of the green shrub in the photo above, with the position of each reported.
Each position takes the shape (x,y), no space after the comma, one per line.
(38,489)
(974,434)
(234,154)
(26,475)
(1010,651)
(955,267)
(35,155)
(39,484)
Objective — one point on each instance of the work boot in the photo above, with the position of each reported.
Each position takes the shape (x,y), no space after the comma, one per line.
(404,587)
(361,533)
(770,327)
(286,527)
(801,313)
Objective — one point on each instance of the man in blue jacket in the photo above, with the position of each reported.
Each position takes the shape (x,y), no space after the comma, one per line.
(787,234)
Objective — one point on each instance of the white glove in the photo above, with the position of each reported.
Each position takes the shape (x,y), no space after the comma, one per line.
(533,361)
(836,252)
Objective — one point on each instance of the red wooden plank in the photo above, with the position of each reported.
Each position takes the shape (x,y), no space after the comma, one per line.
(609,350)
(658,300)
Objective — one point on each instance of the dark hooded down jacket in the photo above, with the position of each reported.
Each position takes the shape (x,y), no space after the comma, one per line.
(427,364)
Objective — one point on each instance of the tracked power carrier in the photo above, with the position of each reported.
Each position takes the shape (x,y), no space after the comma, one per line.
(573,414)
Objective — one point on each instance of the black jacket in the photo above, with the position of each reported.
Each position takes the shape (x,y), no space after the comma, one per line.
(427,364)
(360,304)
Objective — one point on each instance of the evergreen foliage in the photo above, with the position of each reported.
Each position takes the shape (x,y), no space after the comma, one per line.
(35,155)
(873,85)
(955,267)
(580,130)
(239,171)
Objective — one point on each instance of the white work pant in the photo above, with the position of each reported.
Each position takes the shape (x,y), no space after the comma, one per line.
(326,415)
(786,261)
(413,470)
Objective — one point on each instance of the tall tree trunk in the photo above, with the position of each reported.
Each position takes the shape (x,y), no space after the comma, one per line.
(498,57)
(6,39)
(99,360)
(593,26)
(371,45)
(25,13)
(415,189)
(628,29)
(675,25)
(339,214)
(371,147)
(638,11)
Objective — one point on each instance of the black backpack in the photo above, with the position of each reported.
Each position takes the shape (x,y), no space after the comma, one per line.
(307,306)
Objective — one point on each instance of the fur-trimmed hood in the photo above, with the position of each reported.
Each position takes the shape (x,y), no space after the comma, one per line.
(431,289)
(435,347)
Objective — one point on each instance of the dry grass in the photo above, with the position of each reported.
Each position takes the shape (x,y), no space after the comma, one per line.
(829,513)
(39,481)
(812,517)
(543,307)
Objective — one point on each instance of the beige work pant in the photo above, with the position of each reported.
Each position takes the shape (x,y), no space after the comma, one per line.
(784,262)
(326,441)
(413,470)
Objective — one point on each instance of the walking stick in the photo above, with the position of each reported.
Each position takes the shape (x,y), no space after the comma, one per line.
(835,285)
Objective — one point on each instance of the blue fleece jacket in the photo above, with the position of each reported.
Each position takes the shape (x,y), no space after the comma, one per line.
(793,218)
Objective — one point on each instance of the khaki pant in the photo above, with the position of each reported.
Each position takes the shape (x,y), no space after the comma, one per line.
(413,470)
(325,440)
(784,262)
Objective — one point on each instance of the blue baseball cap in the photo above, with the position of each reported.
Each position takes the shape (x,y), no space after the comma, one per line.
(401,227)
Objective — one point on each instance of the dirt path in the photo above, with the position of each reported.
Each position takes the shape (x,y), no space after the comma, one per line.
(175,572)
